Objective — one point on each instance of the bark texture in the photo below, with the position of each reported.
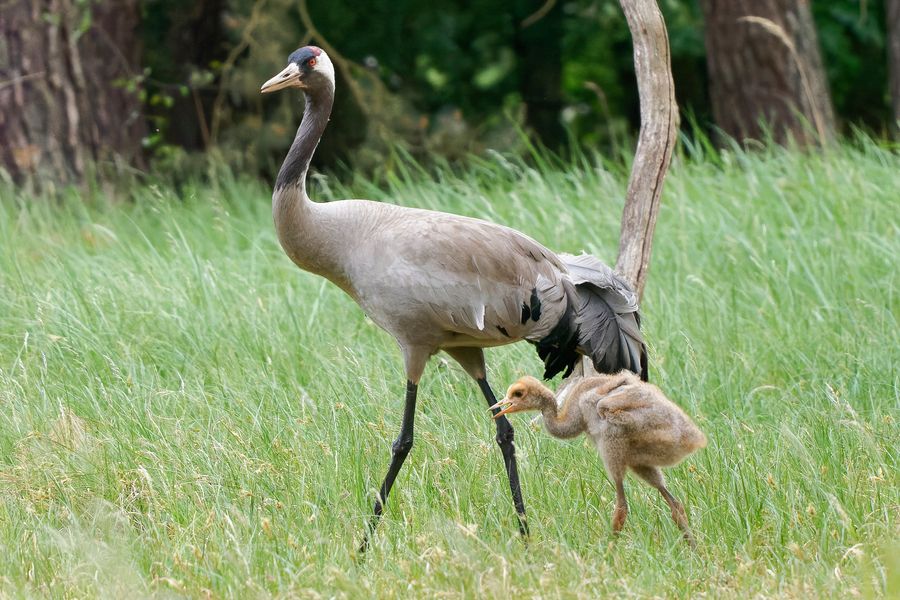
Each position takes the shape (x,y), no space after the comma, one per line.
(659,125)
(63,67)
(765,66)
(656,142)
(893,43)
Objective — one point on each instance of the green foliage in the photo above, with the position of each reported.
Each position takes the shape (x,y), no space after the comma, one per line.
(443,78)
(184,412)
(852,37)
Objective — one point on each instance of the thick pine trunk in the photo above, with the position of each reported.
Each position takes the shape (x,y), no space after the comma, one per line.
(893,32)
(765,67)
(64,65)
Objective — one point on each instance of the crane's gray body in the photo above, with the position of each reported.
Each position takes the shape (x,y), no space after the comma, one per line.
(430,279)
(437,281)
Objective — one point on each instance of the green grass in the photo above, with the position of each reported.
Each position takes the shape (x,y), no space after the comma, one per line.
(182,411)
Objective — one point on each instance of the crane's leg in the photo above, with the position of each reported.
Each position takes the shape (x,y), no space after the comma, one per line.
(472,360)
(415,364)
(621,511)
(399,451)
(616,471)
(505,439)
(654,476)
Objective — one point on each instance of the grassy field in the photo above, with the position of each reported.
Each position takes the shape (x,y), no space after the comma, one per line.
(183,412)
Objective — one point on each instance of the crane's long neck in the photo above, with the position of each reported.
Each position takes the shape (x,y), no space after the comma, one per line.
(309,240)
(566,422)
(315,119)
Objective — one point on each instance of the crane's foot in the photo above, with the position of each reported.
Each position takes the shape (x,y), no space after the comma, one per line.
(618,520)
(523,526)
(367,536)
(363,547)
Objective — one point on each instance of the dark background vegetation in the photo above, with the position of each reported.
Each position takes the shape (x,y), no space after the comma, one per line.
(439,80)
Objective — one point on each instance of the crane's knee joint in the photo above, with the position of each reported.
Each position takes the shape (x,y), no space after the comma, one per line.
(505,436)
(401,447)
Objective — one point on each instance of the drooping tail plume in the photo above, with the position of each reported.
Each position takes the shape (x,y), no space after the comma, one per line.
(600,322)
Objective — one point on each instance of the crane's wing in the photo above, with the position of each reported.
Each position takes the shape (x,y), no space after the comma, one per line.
(607,317)
(465,276)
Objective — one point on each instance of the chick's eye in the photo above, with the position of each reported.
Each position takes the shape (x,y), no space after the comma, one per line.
(311,62)
(517,394)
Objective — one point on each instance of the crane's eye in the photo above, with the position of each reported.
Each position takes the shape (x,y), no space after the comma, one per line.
(517,394)
(311,62)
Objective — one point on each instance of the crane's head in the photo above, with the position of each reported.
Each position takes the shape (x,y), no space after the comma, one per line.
(526,394)
(308,68)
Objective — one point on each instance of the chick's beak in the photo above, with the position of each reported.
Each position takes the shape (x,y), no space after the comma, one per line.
(510,407)
(289,76)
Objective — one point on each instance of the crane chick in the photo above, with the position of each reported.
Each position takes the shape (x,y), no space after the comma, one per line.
(632,423)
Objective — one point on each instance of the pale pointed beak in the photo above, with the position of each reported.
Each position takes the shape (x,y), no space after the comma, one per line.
(290,76)
(510,407)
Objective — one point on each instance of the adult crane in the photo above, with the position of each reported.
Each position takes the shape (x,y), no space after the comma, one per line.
(443,282)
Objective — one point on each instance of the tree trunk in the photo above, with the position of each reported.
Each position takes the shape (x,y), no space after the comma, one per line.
(538,45)
(656,141)
(765,70)
(893,43)
(64,67)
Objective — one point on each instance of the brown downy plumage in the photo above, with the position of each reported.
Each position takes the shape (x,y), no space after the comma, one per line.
(632,423)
